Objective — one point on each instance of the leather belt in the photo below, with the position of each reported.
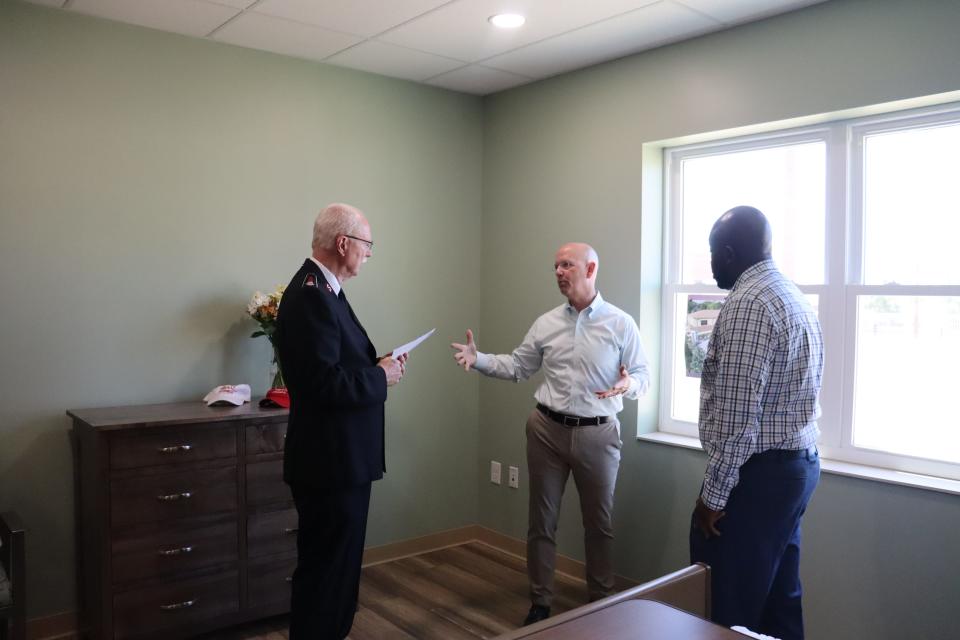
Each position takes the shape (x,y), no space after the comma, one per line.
(809,453)
(571,421)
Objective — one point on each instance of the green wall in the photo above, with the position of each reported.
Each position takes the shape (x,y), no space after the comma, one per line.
(563,161)
(149,183)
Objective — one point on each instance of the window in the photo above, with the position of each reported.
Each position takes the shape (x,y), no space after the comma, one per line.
(866,220)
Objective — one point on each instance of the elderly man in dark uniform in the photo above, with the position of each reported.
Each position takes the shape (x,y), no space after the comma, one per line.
(334,447)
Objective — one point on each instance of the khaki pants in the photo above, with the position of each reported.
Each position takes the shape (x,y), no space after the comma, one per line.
(592,453)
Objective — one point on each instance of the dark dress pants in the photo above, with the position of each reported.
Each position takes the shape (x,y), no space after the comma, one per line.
(326,584)
(755,563)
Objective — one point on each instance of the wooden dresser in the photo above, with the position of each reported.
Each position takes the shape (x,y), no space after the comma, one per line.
(184,524)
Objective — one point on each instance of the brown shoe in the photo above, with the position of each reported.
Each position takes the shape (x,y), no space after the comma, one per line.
(537,613)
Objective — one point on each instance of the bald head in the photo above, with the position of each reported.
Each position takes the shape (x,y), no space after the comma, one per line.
(341,239)
(740,238)
(575,267)
(581,251)
(334,220)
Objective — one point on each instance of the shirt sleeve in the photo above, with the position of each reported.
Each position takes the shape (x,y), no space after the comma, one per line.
(743,359)
(525,360)
(635,360)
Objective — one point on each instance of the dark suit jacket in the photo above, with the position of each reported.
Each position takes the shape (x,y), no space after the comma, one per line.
(337,391)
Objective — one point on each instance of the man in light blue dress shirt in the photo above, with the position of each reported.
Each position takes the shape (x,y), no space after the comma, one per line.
(591,357)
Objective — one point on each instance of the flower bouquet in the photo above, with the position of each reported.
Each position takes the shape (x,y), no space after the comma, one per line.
(263,308)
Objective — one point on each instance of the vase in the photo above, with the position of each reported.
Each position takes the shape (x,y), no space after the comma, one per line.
(276,375)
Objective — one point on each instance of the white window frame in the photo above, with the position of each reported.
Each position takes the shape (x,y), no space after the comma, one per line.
(842,274)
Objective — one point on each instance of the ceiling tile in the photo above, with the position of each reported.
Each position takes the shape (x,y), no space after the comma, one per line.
(644,28)
(362,17)
(461,29)
(733,11)
(48,3)
(391,60)
(189,17)
(239,4)
(283,36)
(479,80)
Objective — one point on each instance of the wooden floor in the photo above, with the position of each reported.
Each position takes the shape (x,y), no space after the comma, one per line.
(459,593)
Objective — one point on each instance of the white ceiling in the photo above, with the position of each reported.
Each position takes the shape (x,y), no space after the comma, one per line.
(446,43)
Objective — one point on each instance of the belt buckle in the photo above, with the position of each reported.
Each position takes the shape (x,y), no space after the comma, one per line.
(570,421)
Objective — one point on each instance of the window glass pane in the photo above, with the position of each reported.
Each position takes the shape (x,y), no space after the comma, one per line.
(911,206)
(905,375)
(696,314)
(787,183)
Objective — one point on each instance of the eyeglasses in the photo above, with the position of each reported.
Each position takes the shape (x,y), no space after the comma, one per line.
(369,243)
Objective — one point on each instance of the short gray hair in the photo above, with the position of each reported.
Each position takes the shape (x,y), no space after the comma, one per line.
(334,220)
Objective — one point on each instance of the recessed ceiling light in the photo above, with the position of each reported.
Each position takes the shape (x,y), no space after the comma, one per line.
(507,20)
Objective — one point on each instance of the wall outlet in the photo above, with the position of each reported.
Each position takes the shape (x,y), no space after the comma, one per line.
(514,477)
(494,472)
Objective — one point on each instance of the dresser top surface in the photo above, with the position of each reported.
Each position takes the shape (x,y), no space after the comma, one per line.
(112,418)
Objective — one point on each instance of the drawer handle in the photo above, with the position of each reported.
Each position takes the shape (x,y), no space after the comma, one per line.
(291,530)
(175,552)
(170,497)
(288,579)
(179,448)
(179,605)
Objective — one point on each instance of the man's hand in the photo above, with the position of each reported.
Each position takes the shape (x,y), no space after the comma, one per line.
(622,386)
(706,519)
(466,354)
(393,367)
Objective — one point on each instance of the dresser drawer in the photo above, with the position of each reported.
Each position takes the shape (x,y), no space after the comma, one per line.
(265,483)
(268,583)
(168,496)
(172,445)
(175,604)
(272,532)
(167,551)
(265,438)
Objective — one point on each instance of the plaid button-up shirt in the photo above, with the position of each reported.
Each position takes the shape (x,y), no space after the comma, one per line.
(761,377)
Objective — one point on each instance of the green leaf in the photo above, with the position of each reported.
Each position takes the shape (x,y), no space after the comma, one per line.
(257,334)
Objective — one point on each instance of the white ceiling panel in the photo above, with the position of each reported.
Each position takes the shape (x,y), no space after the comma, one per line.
(733,11)
(644,28)
(48,3)
(283,36)
(239,4)
(391,60)
(189,17)
(461,29)
(478,80)
(446,43)
(361,17)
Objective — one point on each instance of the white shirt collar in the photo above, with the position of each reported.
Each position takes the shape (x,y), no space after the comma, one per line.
(590,308)
(331,279)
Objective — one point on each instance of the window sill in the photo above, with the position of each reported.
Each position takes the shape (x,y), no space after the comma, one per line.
(849,469)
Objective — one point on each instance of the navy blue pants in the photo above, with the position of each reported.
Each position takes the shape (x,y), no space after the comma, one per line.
(326,583)
(755,563)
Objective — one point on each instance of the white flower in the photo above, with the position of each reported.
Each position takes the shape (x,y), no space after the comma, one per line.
(258,300)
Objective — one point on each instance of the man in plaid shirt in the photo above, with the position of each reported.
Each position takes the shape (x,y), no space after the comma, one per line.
(758,425)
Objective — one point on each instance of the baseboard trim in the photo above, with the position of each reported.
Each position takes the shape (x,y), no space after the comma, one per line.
(63,626)
(453,537)
(422,544)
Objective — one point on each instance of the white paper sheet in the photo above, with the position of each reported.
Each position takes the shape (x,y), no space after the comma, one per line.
(410,346)
(752,634)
